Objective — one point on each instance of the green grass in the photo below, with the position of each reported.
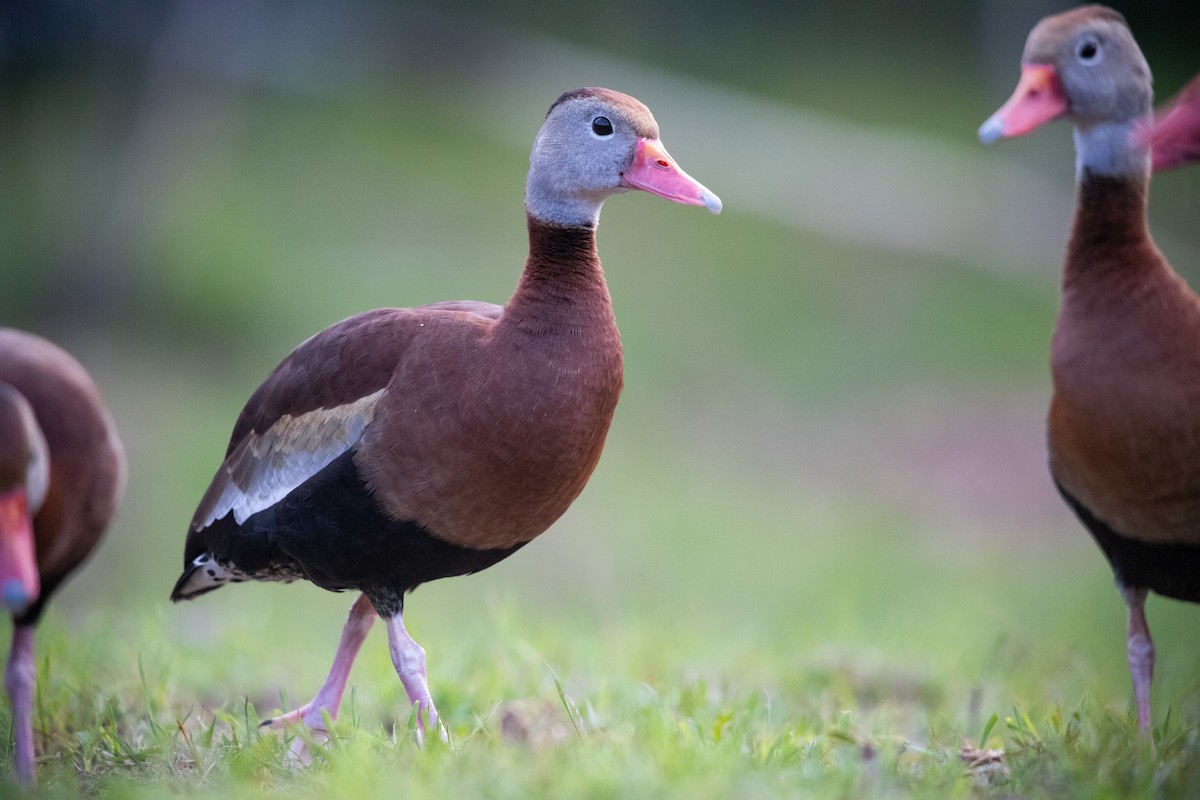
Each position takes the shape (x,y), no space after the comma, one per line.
(863,693)
(819,557)
(678,634)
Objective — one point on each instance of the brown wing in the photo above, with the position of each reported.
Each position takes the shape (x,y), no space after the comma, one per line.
(340,365)
(312,408)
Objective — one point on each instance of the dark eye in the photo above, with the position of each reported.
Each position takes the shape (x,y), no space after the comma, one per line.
(1089,51)
(602,127)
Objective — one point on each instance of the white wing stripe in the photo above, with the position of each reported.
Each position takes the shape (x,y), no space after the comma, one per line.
(266,467)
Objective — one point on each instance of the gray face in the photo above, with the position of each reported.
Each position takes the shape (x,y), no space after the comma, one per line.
(1104,75)
(584,147)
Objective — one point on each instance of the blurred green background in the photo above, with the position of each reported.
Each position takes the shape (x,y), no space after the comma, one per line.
(829,452)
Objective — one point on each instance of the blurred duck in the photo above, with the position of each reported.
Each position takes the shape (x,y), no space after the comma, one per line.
(62,471)
(1124,422)
(1174,137)
(404,445)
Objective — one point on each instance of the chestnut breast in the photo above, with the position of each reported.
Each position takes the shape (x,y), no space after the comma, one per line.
(489,432)
(1124,423)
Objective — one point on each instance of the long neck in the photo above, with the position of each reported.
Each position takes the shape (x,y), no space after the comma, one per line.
(1119,295)
(562,288)
(1112,176)
(1110,240)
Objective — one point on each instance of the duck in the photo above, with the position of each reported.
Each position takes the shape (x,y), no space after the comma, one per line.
(62,475)
(404,445)
(1174,135)
(1123,428)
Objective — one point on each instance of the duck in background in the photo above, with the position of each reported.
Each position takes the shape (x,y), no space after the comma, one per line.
(62,472)
(404,445)
(1124,421)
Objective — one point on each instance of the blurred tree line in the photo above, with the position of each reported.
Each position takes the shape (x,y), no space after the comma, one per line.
(98,99)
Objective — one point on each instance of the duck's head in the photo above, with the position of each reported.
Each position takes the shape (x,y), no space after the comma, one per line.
(1082,65)
(596,143)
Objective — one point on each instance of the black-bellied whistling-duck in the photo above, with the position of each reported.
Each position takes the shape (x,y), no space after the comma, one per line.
(404,445)
(1124,422)
(62,471)
(1174,137)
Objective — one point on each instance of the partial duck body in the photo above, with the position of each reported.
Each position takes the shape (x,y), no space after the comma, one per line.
(62,472)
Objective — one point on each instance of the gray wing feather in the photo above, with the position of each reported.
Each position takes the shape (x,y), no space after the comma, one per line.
(264,468)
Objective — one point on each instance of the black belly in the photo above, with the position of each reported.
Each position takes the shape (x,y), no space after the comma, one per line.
(1172,570)
(330,530)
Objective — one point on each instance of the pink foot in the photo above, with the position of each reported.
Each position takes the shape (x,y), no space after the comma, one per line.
(329,697)
(408,658)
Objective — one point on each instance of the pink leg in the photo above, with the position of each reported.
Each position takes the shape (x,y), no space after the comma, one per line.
(1141,654)
(329,698)
(409,659)
(19,679)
